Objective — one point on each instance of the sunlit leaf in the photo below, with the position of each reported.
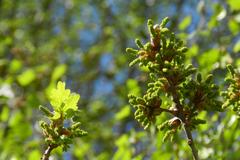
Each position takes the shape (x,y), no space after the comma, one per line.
(192,51)
(62,99)
(71,102)
(59,96)
(35,154)
(222,14)
(133,87)
(234,4)
(15,66)
(185,23)
(207,59)
(123,113)
(123,151)
(5,114)
(26,77)
(236,47)
(233,26)
(58,71)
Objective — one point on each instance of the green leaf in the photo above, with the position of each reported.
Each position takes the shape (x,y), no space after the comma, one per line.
(71,102)
(62,99)
(185,23)
(238,62)
(123,151)
(4,114)
(15,66)
(234,4)
(58,71)
(222,14)
(133,87)
(233,26)
(26,77)
(123,113)
(193,51)
(70,113)
(35,154)
(46,111)
(59,96)
(236,47)
(207,59)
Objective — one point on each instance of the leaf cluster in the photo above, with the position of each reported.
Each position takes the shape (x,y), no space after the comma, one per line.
(64,105)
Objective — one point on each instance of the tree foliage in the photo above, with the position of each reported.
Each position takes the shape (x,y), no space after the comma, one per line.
(82,43)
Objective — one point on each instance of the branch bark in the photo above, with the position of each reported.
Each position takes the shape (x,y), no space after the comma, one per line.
(47,152)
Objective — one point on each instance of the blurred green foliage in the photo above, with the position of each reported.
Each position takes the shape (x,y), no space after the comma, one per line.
(83,43)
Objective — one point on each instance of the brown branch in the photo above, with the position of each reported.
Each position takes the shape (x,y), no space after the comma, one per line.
(47,152)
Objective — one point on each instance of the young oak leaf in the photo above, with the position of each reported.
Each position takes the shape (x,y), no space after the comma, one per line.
(59,96)
(65,107)
(62,99)
(71,102)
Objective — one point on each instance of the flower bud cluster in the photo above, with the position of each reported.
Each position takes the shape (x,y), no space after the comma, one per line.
(164,56)
(232,95)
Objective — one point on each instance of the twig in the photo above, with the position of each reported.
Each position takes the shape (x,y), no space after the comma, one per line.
(167,110)
(47,152)
(184,121)
(160,110)
(191,142)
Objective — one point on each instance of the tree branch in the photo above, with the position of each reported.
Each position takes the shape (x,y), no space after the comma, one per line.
(47,152)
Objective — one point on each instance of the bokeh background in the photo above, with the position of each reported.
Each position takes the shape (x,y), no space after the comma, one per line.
(83,42)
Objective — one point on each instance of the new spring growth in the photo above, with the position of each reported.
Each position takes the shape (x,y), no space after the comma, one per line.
(64,104)
(232,95)
(189,92)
